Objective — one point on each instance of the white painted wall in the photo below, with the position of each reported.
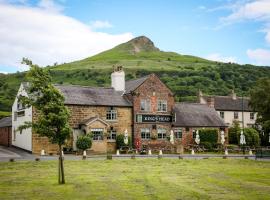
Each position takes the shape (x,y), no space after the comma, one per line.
(229,118)
(118,80)
(23,139)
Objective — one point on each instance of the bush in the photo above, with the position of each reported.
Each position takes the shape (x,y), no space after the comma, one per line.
(120,141)
(207,145)
(234,133)
(209,135)
(252,137)
(84,142)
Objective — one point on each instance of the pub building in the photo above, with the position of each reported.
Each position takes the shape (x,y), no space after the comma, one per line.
(144,107)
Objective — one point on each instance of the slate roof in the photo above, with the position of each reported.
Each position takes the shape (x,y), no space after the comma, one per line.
(134,84)
(227,103)
(97,96)
(196,115)
(6,122)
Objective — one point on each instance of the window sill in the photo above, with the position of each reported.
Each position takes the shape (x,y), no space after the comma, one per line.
(111,140)
(111,120)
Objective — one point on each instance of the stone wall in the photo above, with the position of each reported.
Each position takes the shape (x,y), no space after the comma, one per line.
(5,136)
(80,113)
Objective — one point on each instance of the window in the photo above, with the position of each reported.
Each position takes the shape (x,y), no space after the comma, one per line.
(111,114)
(145,105)
(161,133)
(221,114)
(162,105)
(111,135)
(97,133)
(20,105)
(252,116)
(21,113)
(235,115)
(145,133)
(178,133)
(194,133)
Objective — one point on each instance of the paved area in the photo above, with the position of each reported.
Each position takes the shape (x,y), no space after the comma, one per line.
(17,154)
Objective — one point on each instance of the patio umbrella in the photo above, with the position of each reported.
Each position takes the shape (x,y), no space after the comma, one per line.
(171,137)
(197,139)
(222,139)
(242,138)
(126,137)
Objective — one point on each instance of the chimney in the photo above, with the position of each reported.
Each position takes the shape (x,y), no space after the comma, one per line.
(118,78)
(211,102)
(233,95)
(200,98)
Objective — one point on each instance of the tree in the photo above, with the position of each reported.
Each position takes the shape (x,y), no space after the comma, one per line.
(53,115)
(84,142)
(260,102)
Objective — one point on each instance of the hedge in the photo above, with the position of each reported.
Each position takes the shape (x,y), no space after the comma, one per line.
(209,135)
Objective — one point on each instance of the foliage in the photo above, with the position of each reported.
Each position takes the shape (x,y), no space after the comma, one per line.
(251,135)
(84,142)
(207,145)
(53,115)
(209,135)
(234,133)
(120,141)
(260,101)
(4,114)
(183,74)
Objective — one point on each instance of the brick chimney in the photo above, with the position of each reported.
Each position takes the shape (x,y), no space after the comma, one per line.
(118,78)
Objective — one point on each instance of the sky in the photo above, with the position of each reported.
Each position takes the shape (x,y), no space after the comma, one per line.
(59,31)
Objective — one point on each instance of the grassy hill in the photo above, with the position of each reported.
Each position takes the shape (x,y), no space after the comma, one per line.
(184,74)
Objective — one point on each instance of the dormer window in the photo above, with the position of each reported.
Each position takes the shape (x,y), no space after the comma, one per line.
(111,113)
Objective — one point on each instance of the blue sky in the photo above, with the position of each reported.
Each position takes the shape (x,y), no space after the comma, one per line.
(50,31)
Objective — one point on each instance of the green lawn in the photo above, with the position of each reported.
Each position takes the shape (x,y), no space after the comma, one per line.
(137,179)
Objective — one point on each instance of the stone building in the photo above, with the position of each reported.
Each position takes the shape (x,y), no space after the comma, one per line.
(5,131)
(231,108)
(145,107)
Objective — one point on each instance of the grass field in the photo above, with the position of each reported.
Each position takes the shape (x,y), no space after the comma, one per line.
(137,179)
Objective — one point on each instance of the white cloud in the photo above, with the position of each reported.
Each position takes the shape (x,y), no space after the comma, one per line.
(101,24)
(2,72)
(260,56)
(220,58)
(258,10)
(50,6)
(47,37)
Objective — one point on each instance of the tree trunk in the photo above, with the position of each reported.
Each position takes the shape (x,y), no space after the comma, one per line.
(61,175)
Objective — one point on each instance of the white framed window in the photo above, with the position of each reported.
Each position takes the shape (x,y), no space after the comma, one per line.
(111,113)
(161,133)
(251,116)
(112,135)
(145,133)
(235,115)
(97,133)
(178,133)
(221,114)
(145,105)
(162,105)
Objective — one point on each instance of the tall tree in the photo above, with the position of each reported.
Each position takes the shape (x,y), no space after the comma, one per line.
(260,102)
(53,115)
